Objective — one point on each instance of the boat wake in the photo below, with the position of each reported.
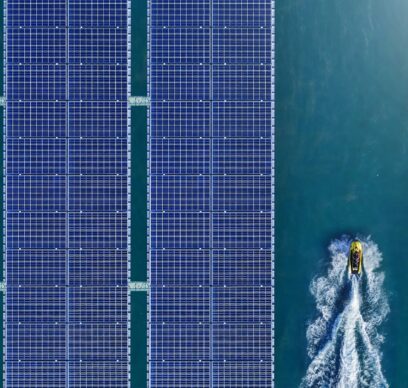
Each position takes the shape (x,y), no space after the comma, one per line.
(343,341)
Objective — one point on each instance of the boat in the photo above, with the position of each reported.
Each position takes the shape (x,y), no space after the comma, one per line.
(355,261)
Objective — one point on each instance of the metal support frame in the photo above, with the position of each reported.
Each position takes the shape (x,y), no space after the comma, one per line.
(139,101)
(138,286)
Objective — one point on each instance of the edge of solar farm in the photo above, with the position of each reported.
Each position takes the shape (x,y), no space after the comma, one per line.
(4,190)
(272,139)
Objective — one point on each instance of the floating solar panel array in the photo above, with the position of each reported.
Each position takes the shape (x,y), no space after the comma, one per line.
(211,193)
(66,193)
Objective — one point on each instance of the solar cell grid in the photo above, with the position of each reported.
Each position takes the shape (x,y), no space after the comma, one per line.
(24,373)
(98,156)
(175,82)
(242,304)
(242,83)
(240,193)
(34,305)
(180,156)
(211,77)
(36,13)
(242,46)
(180,230)
(242,156)
(180,342)
(47,193)
(36,82)
(98,45)
(211,193)
(242,231)
(67,193)
(98,267)
(87,345)
(244,267)
(36,156)
(109,119)
(243,374)
(180,374)
(180,13)
(47,47)
(98,193)
(111,374)
(98,13)
(97,230)
(181,45)
(180,304)
(98,82)
(35,230)
(36,342)
(42,267)
(242,13)
(188,118)
(97,304)
(36,119)
(249,119)
(180,267)
(242,342)
(191,191)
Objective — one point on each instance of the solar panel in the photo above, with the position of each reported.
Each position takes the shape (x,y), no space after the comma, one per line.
(66,193)
(211,193)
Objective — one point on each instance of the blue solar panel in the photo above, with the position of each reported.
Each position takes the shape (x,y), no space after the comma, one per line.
(181,45)
(187,267)
(49,47)
(243,13)
(36,13)
(66,186)
(211,193)
(235,119)
(36,118)
(188,118)
(180,13)
(242,46)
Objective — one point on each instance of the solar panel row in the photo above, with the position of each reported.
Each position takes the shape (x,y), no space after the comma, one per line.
(66,189)
(211,193)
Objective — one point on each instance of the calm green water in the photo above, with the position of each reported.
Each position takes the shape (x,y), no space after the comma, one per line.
(342,160)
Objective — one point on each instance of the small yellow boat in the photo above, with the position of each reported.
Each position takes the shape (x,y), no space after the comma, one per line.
(356,258)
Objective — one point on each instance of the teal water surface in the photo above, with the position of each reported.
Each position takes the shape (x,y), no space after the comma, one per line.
(138,369)
(341,161)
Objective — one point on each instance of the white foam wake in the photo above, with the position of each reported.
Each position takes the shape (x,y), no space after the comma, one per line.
(343,341)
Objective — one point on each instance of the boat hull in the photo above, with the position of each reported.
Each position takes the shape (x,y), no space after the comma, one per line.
(355,260)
